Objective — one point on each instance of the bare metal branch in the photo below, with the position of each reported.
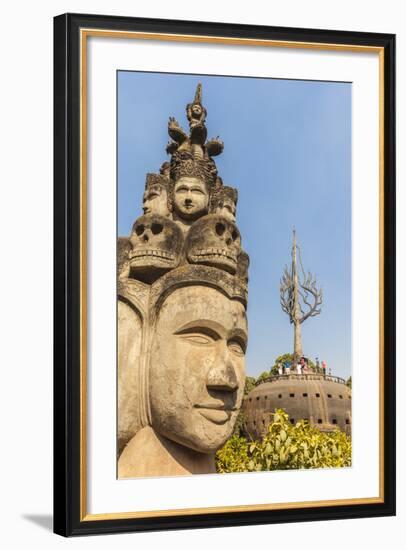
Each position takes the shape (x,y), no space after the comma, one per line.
(309,296)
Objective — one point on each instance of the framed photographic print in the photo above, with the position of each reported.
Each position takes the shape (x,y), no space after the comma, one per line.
(224,274)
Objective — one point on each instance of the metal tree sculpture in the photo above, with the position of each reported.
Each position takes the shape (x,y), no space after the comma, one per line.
(300,297)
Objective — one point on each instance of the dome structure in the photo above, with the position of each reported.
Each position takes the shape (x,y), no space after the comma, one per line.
(325,401)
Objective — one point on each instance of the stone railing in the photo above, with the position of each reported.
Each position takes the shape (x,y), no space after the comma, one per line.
(294,376)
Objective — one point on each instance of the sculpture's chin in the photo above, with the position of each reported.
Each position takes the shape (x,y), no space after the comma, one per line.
(215,437)
(191,215)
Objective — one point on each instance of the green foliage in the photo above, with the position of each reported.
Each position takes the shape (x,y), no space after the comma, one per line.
(349,382)
(274,370)
(286,447)
(263,376)
(249,384)
(233,457)
(283,359)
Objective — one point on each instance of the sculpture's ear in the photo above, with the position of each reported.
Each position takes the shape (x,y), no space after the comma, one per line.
(129,341)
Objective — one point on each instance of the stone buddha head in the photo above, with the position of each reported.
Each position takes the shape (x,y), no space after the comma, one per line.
(197,362)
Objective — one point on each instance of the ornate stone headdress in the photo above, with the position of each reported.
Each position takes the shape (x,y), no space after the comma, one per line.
(184,164)
(156,179)
(223,193)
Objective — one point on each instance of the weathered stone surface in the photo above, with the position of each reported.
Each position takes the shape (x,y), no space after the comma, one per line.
(215,241)
(224,202)
(128,357)
(123,248)
(195,384)
(156,247)
(182,326)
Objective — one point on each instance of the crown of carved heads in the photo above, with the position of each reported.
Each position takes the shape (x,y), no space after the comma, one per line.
(165,250)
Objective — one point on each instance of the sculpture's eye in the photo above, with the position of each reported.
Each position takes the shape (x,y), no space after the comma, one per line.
(220,228)
(200,339)
(139,230)
(202,336)
(156,228)
(236,347)
(234,235)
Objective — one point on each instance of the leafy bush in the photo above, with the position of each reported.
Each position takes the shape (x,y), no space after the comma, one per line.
(285,447)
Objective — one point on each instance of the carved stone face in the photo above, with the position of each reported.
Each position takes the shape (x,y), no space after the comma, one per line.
(155,201)
(214,241)
(196,110)
(197,368)
(156,245)
(191,198)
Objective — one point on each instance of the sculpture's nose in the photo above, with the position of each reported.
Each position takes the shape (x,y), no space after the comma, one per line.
(145,237)
(222,377)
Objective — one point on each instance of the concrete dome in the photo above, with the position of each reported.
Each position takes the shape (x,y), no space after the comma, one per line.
(324,401)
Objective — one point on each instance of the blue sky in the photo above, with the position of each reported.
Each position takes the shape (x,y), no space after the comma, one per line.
(288,151)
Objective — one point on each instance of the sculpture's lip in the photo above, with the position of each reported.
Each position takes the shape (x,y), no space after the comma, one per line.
(218,414)
(215,407)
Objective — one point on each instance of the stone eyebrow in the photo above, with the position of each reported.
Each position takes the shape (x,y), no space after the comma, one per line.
(205,326)
(239,334)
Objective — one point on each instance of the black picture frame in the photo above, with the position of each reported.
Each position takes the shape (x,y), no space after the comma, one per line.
(68,519)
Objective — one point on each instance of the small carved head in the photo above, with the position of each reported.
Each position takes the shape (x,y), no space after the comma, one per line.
(190,198)
(155,200)
(225,202)
(156,247)
(214,241)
